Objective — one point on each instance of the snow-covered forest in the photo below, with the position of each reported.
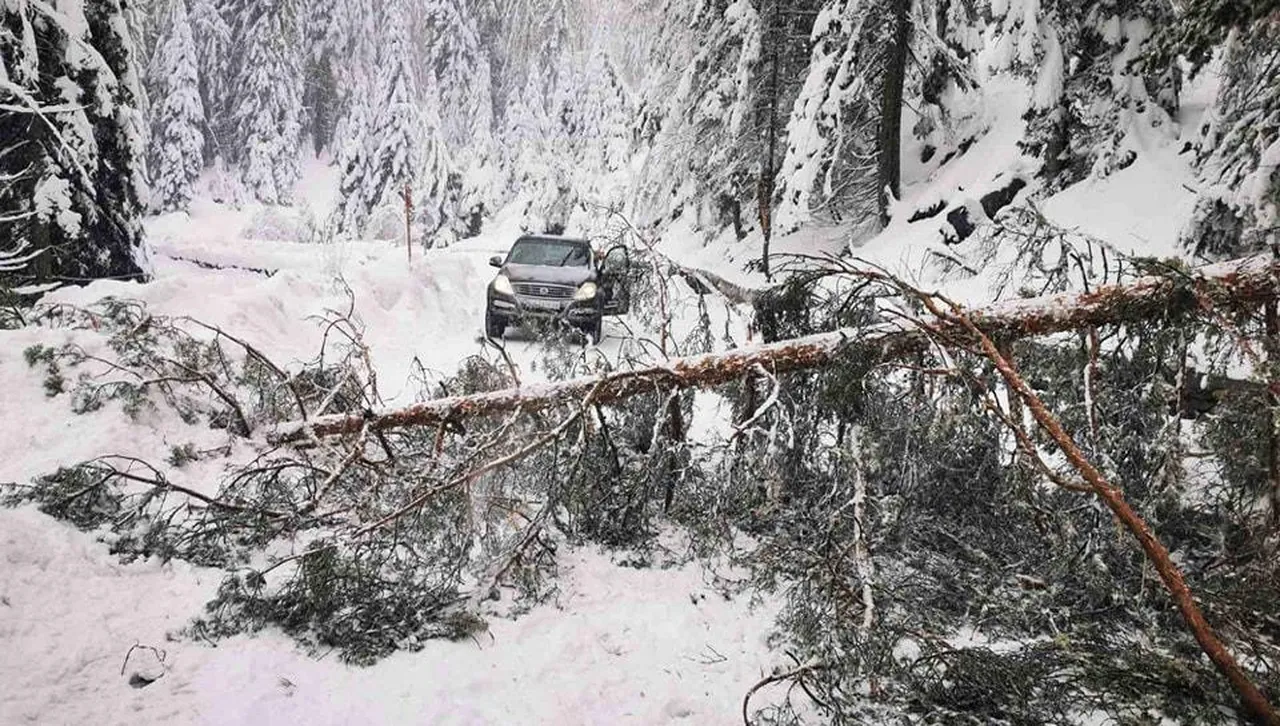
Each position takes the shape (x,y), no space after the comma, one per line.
(946,390)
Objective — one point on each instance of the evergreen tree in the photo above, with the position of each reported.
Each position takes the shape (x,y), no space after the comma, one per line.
(1088,89)
(437,189)
(842,152)
(71,144)
(743,74)
(404,148)
(1238,211)
(326,39)
(461,63)
(268,93)
(712,98)
(539,179)
(595,114)
(212,36)
(351,40)
(177,137)
(399,125)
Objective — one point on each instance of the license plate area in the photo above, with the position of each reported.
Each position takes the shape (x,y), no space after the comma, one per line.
(541,305)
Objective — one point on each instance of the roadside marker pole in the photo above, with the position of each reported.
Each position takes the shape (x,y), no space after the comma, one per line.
(408,214)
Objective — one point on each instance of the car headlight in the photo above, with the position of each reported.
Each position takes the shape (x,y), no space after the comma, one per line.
(502,285)
(586,292)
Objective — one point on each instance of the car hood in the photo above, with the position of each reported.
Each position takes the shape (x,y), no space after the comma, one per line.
(553,275)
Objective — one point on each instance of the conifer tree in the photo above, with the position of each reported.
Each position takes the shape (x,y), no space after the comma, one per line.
(214,54)
(403,148)
(178,120)
(603,116)
(268,92)
(1238,211)
(71,144)
(463,69)
(842,158)
(711,97)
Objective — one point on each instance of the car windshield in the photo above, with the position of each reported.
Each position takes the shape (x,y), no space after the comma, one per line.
(550,253)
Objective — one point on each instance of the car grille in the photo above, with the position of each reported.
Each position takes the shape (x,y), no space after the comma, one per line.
(534,289)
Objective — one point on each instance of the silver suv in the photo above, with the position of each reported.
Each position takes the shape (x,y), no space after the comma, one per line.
(557,279)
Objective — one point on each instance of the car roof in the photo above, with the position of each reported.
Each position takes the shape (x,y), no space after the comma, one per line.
(553,238)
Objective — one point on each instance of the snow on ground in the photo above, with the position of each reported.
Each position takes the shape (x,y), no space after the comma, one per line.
(616,645)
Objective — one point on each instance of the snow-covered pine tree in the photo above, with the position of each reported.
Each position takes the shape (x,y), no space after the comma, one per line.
(71,144)
(698,123)
(784,54)
(342,41)
(710,131)
(212,36)
(461,63)
(268,97)
(842,151)
(1238,211)
(143,19)
(453,52)
(1089,92)
(350,38)
(553,39)
(404,146)
(536,35)
(604,116)
(540,177)
(945,36)
(178,120)
(437,187)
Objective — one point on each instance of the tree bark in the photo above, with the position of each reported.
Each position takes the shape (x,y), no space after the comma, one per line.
(1238,285)
(768,170)
(889,159)
(1272,347)
(1255,702)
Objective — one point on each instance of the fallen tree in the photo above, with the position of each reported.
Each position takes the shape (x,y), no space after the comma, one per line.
(1229,286)
(408,535)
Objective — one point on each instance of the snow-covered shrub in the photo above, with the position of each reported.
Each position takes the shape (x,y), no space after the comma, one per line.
(279,224)
(386,223)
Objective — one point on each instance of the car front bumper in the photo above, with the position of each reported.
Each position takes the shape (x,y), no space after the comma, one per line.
(513,308)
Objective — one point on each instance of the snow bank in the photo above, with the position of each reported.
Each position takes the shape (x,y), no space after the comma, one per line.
(618,645)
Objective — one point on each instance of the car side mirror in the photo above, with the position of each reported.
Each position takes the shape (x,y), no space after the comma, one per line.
(495,261)
(616,261)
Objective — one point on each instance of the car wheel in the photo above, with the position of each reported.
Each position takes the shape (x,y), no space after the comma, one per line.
(494,326)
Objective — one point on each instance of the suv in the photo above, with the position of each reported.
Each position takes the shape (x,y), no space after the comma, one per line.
(549,279)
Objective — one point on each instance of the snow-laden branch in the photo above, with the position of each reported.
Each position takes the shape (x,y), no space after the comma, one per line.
(1236,285)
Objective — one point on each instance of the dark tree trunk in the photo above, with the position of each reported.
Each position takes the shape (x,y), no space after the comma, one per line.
(769,168)
(889,166)
(1272,347)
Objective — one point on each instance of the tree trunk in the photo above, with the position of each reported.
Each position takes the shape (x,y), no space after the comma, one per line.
(769,170)
(1237,285)
(1272,348)
(1255,702)
(889,159)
